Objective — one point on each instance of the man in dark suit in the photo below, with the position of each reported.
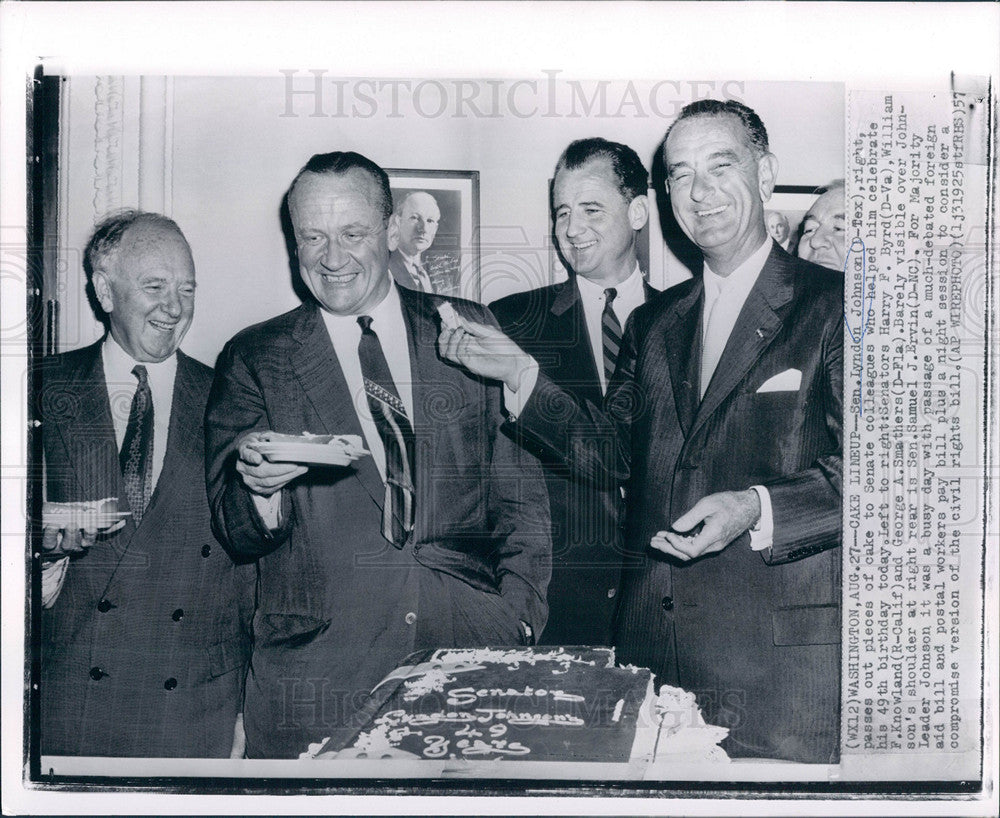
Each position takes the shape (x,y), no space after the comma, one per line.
(726,407)
(439,538)
(415,222)
(145,624)
(573,329)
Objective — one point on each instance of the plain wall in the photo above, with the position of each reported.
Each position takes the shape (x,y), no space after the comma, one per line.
(233,152)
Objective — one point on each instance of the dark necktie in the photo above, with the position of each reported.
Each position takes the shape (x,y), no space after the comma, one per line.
(611,331)
(136,455)
(396,432)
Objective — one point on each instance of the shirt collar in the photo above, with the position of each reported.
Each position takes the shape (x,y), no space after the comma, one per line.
(590,289)
(118,364)
(742,278)
(382,314)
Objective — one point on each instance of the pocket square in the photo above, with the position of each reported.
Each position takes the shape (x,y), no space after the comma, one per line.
(788,381)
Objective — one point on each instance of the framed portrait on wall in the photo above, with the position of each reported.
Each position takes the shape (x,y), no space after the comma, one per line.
(785,211)
(434,231)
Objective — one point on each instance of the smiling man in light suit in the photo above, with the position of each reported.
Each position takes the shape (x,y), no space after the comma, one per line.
(726,410)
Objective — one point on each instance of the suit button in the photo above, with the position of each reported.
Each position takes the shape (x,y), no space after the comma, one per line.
(410,618)
(206,549)
(170,683)
(612,592)
(668,603)
(104,606)
(177,615)
(97,674)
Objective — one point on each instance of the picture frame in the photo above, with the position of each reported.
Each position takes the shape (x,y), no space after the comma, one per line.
(451,259)
(791,202)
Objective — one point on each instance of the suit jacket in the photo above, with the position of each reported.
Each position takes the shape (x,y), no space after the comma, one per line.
(755,634)
(442,269)
(338,605)
(549,324)
(159,672)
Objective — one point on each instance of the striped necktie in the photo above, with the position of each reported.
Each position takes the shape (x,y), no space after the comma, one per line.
(611,332)
(136,455)
(396,432)
(423,280)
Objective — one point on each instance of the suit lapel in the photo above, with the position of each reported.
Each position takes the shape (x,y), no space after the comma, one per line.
(318,371)
(185,436)
(683,341)
(758,325)
(428,377)
(89,433)
(576,360)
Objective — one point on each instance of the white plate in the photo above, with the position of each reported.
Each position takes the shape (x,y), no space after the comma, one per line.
(336,453)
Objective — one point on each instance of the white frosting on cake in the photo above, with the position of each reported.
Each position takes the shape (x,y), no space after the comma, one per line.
(669,726)
(432,681)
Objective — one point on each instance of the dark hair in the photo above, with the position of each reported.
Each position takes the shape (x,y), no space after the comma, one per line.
(109,232)
(633,180)
(828,187)
(340,162)
(755,130)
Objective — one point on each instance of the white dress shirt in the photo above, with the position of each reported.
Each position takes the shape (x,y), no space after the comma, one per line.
(345,334)
(631,294)
(121,384)
(389,325)
(724,300)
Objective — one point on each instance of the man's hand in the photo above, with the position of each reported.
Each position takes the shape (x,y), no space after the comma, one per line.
(58,542)
(724,516)
(259,474)
(484,351)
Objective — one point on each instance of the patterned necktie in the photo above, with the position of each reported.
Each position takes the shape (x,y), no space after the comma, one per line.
(136,455)
(396,432)
(611,332)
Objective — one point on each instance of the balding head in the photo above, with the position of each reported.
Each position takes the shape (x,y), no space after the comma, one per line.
(143,276)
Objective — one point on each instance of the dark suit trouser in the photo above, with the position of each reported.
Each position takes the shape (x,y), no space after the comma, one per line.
(307,693)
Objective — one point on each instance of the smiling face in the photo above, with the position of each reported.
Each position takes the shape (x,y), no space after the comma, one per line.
(418,220)
(340,234)
(823,238)
(147,288)
(594,224)
(718,188)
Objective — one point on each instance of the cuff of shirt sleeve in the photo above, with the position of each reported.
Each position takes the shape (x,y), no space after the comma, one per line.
(762,534)
(269,509)
(514,402)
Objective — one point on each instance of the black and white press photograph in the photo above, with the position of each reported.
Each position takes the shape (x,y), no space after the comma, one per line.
(455,429)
